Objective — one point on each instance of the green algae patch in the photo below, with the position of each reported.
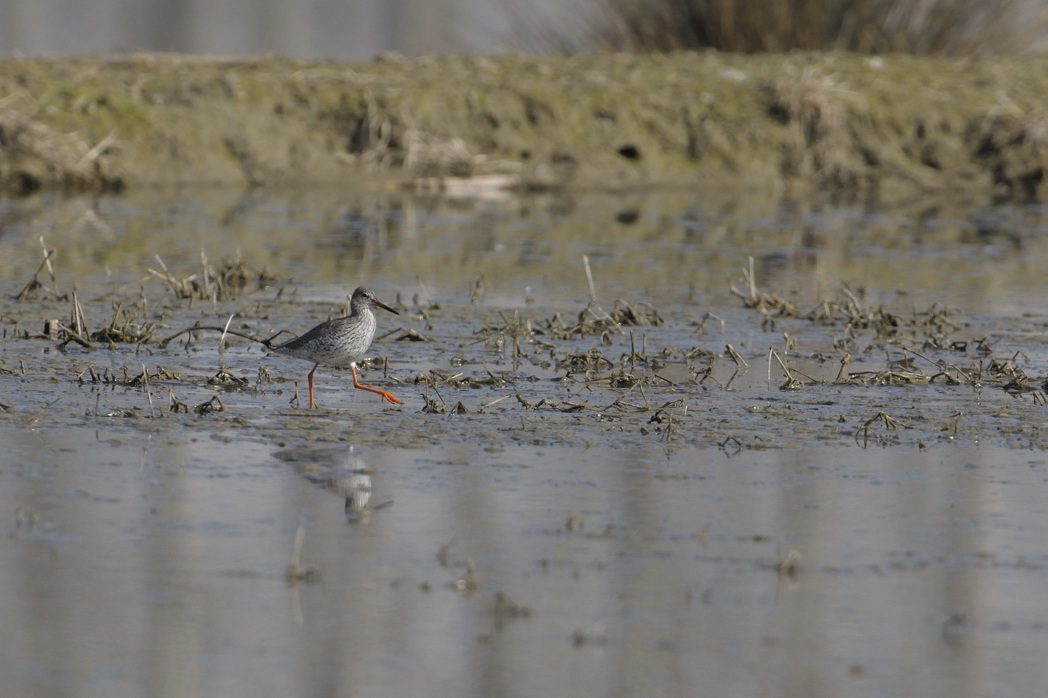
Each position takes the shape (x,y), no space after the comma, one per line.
(852,124)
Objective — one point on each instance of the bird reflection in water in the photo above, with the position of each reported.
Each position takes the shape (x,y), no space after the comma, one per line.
(356,488)
(351,480)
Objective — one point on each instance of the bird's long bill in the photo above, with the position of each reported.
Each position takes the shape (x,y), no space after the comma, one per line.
(382,305)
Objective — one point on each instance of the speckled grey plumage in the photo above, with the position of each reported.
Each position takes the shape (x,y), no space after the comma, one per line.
(341,342)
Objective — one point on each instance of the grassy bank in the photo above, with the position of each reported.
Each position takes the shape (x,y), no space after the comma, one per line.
(838,122)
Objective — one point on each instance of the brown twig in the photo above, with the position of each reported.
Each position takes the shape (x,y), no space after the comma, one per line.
(224,330)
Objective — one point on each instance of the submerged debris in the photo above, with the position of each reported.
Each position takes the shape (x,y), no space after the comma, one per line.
(210,407)
(123,329)
(226,282)
(34,285)
(890,423)
(226,379)
(620,370)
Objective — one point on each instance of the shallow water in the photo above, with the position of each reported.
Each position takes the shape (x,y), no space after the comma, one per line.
(560,534)
(139,566)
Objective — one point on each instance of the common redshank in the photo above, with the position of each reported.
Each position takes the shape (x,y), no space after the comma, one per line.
(341,342)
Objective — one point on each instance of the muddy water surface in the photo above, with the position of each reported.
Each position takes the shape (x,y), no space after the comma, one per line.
(570,501)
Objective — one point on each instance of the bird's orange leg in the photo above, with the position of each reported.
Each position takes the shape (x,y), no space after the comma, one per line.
(312,405)
(383,393)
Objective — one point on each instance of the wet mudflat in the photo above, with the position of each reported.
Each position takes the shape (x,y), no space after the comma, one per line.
(821,475)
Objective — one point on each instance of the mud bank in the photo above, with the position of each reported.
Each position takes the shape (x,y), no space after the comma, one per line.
(848,124)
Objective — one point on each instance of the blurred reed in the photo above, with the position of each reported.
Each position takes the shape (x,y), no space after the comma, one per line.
(917,27)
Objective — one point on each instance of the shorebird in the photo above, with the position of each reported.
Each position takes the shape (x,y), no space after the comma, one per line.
(341,342)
